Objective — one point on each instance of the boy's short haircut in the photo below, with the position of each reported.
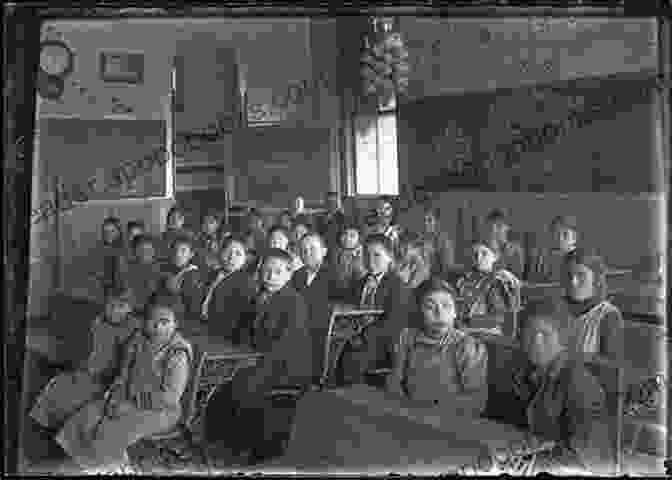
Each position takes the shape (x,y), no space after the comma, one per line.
(119,293)
(183,240)
(278,253)
(142,239)
(163,299)
(564,221)
(380,239)
(279,228)
(112,221)
(497,216)
(175,210)
(314,234)
(135,224)
(234,238)
(435,284)
(553,310)
(433,211)
(304,220)
(253,212)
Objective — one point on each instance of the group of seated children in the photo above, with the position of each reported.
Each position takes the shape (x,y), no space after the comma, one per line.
(273,291)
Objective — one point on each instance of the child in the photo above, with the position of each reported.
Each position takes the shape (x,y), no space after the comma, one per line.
(279,237)
(547,266)
(437,363)
(133,229)
(438,248)
(316,281)
(414,267)
(386,223)
(510,254)
(349,258)
(142,274)
(277,328)
(229,290)
(559,398)
(68,392)
(331,224)
(182,277)
(174,228)
(285,220)
(207,241)
(112,254)
(144,400)
(597,324)
(483,296)
(380,289)
(255,235)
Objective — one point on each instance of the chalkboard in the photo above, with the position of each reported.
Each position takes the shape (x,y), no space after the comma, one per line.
(103,159)
(579,136)
(276,164)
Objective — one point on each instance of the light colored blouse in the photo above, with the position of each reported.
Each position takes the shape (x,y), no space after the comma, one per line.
(436,370)
(588,330)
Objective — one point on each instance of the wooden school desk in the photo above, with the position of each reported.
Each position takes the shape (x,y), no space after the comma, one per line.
(361,429)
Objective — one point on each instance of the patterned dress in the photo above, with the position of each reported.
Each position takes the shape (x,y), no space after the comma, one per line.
(437,369)
(597,327)
(480,294)
(66,393)
(149,392)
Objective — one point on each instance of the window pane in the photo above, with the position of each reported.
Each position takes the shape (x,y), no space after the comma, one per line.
(387,151)
(367,155)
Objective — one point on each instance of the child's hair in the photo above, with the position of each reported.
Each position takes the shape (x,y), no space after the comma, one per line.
(553,310)
(164,299)
(279,228)
(113,221)
(253,212)
(484,244)
(183,240)
(118,293)
(211,214)
(564,221)
(302,219)
(435,284)
(496,216)
(380,239)
(175,210)
(141,240)
(131,224)
(278,253)
(433,211)
(314,234)
(234,239)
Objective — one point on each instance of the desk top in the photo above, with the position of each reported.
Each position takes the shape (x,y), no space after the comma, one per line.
(219,348)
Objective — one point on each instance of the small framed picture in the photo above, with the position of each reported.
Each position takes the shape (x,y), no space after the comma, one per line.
(122,67)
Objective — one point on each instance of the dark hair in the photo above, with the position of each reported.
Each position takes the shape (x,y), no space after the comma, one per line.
(435,284)
(142,239)
(315,234)
(135,224)
(380,239)
(183,239)
(117,224)
(591,259)
(564,221)
(253,212)
(350,225)
(433,211)
(175,210)
(163,299)
(120,293)
(234,239)
(278,253)
(497,216)
(278,228)
(553,310)
(302,219)
(212,214)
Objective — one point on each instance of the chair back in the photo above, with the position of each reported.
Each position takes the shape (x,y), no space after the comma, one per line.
(611,376)
(340,326)
(189,397)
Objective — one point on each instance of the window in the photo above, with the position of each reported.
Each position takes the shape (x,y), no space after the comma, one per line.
(377,171)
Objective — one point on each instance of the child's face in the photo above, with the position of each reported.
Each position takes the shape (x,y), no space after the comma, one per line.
(134,232)
(541,341)
(160,324)
(278,239)
(438,311)
(233,257)
(385,211)
(116,310)
(175,221)
(580,282)
(431,223)
(145,252)
(210,225)
(110,233)
(484,258)
(275,273)
(312,252)
(499,231)
(378,259)
(564,238)
(182,254)
(299,232)
(350,238)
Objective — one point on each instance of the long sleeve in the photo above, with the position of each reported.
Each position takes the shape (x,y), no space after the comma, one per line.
(395,381)
(174,381)
(446,253)
(611,335)
(472,364)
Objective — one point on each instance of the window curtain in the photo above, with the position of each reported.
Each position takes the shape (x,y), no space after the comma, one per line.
(22,39)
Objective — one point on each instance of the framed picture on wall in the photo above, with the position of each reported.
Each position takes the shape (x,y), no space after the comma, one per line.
(122,66)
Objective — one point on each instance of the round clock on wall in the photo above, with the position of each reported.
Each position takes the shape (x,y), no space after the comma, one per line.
(56,63)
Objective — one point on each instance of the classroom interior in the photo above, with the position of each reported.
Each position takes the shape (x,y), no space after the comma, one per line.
(538,117)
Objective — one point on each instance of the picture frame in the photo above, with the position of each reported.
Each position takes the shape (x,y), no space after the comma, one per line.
(122,66)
